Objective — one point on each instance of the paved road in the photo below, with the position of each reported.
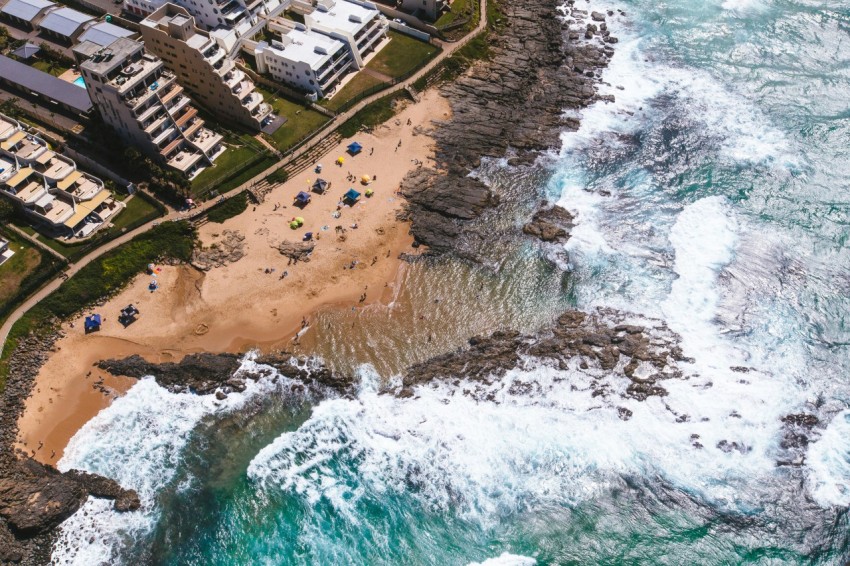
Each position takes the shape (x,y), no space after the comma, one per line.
(329,129)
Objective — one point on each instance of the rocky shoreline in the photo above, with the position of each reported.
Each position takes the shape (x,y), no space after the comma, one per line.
(34,498)
(511,105)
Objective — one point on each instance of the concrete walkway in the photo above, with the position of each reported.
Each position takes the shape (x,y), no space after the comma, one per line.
(174,216)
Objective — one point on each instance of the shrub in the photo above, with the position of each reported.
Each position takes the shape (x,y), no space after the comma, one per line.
(228,209)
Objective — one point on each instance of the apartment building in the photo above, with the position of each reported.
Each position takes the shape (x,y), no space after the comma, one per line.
(305,60)
(48,187)
(237,15)
(356,23)
(426,9)
(141,100)
(201,64)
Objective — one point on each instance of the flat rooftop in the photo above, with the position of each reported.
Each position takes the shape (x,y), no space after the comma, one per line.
(113,56)
(344,16)
(310,47)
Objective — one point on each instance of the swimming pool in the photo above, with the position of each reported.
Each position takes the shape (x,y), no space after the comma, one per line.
(80,82)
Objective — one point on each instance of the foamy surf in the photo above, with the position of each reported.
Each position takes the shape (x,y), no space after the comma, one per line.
(506,559)
(138,441)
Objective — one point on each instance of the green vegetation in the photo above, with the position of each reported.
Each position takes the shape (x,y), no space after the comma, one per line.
(16,269)
(403,55)
(356,87)
(277,177)
(373,114)
(232,168)
(458,9)
(49,66)
(301,121)
(102,278)
(228,209)
(140,209)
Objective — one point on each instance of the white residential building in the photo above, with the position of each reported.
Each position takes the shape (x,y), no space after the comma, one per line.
(200,61)
(141,100)
(356,23)
(48,187)
(304,60)
(238,15)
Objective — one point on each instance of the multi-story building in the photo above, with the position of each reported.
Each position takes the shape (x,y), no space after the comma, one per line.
(305,60)
(237,15)
(202,66)
(425,9)
(48,187)
(356,23)
(141,100)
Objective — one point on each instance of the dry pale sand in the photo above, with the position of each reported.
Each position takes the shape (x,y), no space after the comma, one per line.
(239,306)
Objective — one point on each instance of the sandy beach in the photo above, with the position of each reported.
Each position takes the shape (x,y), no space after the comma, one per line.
(249,303)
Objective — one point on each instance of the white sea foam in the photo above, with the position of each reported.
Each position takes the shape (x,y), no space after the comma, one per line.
(507,559)
(829,463)
(138,441)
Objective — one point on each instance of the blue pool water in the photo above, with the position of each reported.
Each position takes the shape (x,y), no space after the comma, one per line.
(80,82)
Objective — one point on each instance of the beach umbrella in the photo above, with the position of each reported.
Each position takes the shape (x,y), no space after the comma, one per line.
(366,179)
(299,220)
(369,192)
(294,225)
(340,160)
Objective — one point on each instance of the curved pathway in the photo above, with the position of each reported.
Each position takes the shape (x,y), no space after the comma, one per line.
(448,51)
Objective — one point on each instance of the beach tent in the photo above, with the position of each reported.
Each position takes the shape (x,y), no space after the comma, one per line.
(366,179)
(340,160)
(92,322)
(294,225)
(354,148)
(299,220)
(369,192)
(351,196)
(308,236)
(320,186)
(302,198)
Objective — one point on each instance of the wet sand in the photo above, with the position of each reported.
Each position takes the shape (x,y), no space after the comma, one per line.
(247,304)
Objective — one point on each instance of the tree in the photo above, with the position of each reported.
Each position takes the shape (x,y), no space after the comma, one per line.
(7,210)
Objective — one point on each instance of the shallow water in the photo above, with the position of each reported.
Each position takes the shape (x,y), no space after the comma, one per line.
(713,195)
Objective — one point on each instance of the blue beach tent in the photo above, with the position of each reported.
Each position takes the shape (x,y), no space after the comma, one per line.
(302,197)
(92,322)
(352,195)
(354,148)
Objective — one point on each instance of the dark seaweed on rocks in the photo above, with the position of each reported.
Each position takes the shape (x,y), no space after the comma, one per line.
(540,66)
(206,373)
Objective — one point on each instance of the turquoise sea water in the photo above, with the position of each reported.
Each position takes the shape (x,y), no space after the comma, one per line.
(714,194)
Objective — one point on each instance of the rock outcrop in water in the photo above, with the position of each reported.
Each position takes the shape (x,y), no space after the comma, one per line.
(551,225)
(207,373)
(35,498)
(539,66)
(641,354)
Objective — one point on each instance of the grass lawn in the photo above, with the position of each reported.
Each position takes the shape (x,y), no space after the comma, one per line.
(402,55)
(21,265)
(458,10)
(50,67)
(373,114)
(228,165)
(138,211)
(300,121)
(359,84)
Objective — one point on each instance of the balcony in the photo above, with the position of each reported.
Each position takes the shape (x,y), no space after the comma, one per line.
(193,127)
(150,87)
(166,98)
(56,168)
(179,105)
(184,159)
(184,119)
(164,135)
(233,78)
(32,192)
(252,100)
(205,139)
(149,113)
(261,111)
(243,88)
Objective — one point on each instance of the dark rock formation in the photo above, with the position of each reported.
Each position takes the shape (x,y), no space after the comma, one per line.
(299,251)
(207,373)
(538,67)
(592,340)
(550,225)
(35,498)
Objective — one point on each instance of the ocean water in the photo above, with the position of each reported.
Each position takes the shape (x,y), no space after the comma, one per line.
(712,195)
